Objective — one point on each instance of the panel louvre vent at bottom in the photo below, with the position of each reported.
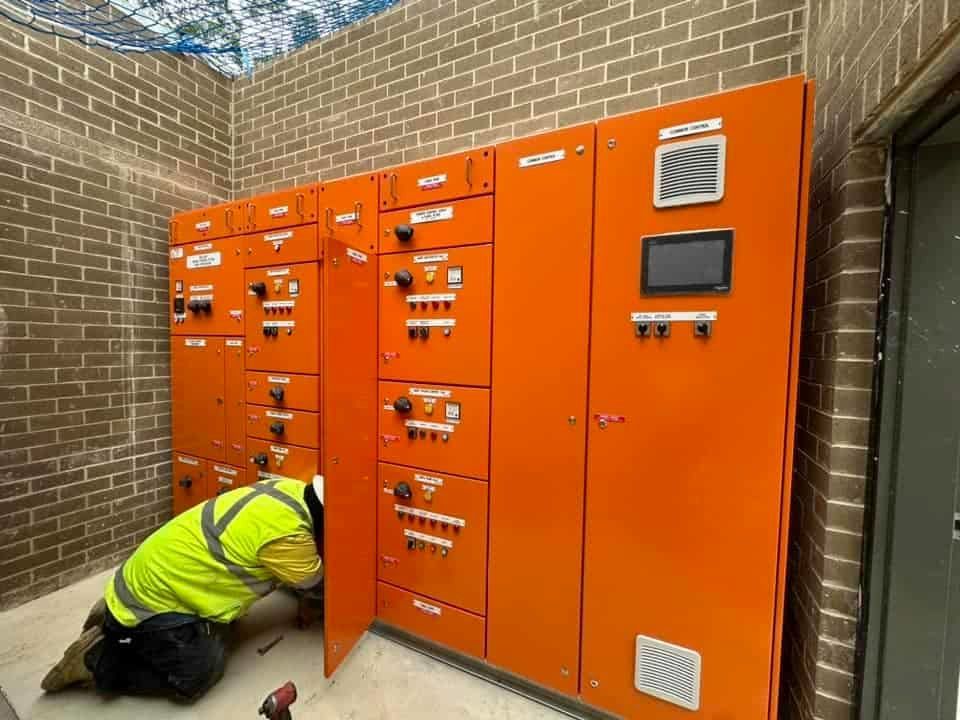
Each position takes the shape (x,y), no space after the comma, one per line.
(690,172)
(668,672)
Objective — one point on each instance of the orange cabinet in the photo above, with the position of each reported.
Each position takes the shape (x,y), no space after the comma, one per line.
(296,427)
(443,178)
(206,288)
(207,223)
(348,211)
(432,535)
(691,357)
(234,402)
(284,390)
(268,459)
(198,396)
(283,318)
(436,427)
(432,619)
(284,208)
(461,222)
(189,482)
(435,316)
(274,247)
(224,478)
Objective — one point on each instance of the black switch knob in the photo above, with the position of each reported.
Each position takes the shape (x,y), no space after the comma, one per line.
(403,232)
(424,332)
(179,306)
(402,490)
(412,433)
(403,277)
(193,306)
(206,306)
(277,428)
(260,459)
(663,329)
(266,331)
(276,392)
(411,544)
(186,481)
(412,332)
(259,288)
(402,404)
(643,329)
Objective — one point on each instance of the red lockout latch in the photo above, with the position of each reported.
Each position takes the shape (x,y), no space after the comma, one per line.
(605,418)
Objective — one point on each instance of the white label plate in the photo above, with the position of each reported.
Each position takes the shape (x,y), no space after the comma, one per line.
(428,479)
(187,461)
(195,342)
(438,297)
(202,226)
(225,470)
(234,343)
(542,158)
(279,211)
(423,537)
(276,379)
(673,316)
(202,297)
(176,253)
(356,256)
(434,258)
(431,215)
(203,260)
(443,322)
(345,218)
(278,273)
(431,182)
(429,392)
(279,304)
(280,450)
(427,608)
(427,515)
(423,425)
(275,237)
(203,246)
(201,288)
(278,415)
(279,323)
(694,128)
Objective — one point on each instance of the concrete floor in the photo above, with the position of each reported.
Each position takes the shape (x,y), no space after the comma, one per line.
(379,681)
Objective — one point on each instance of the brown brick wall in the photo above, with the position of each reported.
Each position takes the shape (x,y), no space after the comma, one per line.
(430,77)
(97,150)
(861,53)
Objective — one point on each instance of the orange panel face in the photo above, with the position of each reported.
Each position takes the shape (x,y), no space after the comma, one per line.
(695,412)
(235,403)
(435,427)
(274,247)
(198,396)
(284,390)
(207,223)
(189,482)
(541,310)
(285,208)
(296,427)
(268,459)
(434,620)
(435,315)
(348,212)
(432,535)
(350,449)
(443,178)
(461,222)
(283,318)
(224,478)
(206,288)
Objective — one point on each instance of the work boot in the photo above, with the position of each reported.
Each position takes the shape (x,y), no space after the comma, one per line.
(97,615)
(72,669)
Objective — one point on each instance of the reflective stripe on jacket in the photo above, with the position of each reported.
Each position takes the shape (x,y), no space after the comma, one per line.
(205,562)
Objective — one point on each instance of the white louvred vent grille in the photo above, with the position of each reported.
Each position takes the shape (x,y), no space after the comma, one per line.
(668,672)
(690,172)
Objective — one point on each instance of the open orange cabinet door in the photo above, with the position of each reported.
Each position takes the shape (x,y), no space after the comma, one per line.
(349,388)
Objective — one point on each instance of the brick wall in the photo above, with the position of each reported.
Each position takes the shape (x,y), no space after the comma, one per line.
(97,150)
(430,77)
(863,54)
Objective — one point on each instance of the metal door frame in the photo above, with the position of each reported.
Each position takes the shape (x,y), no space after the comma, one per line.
(880,502)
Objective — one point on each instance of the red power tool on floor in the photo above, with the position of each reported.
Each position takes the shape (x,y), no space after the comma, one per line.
(277,705)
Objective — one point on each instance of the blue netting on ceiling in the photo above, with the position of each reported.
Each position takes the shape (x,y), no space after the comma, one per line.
(232,35)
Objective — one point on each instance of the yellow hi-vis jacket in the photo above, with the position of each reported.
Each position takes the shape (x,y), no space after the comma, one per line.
(205,561)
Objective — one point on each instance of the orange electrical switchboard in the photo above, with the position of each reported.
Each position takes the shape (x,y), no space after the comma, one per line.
(438,179)
(284,390)
(348,212)
(286,246)
(234,402)
(189,482)
(436,427)
(432,619)
(432,535)
(297,427)
(198,395)
(435,316)
(284,208)
(695,258)
(283,318)
(207,223)
(268,459)
(206,296)
(538,432)
(455,223)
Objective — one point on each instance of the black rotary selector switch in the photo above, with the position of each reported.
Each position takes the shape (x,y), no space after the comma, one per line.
(186,481)
(193,306)
(260,459)
(412,332)
(402,404)
(412,433)
(404,278)
(403,232)
(402,490)
(206,305)
(277,428)
(259,288)
(424,332)
(276,392)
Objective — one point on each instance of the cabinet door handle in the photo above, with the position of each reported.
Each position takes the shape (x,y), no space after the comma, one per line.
(357,207)
(300,204)
(470,172)
(393,186)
